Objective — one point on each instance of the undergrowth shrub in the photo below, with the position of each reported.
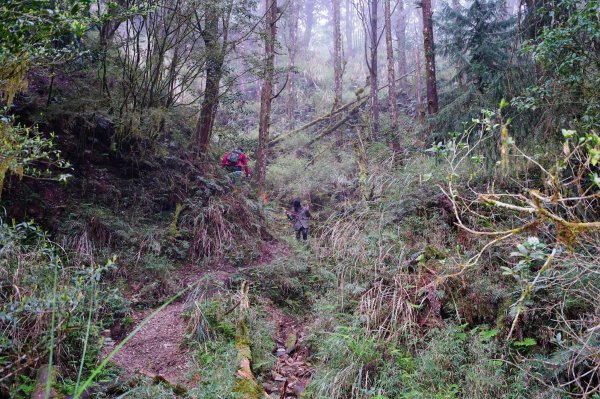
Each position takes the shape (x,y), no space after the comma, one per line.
(219,227)
(291,283)
(305,173)
(149,391)
(349,360)
(462,363)
(540,241)
(147,254)
(24,149)
(454,362)
(409,273)
(47,306)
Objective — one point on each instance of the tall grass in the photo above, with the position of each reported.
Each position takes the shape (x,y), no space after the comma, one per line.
(86,338)
(52,329)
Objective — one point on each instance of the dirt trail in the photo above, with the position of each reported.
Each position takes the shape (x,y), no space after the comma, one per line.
(158,349)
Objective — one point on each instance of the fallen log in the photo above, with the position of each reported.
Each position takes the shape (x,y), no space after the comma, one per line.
(245,384)
(321,118)
(45,376)
(333,128)
(360,98)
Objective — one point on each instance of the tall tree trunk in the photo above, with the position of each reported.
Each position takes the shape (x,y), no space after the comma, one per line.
(108,30)
(362,163)
(401,39)
(337,54)
(292,51)
(214,70)
(374,36)
(418,85)
(157,59)
(337,60)
(266,93)
(349,27)
(173,75)
(111,23)
(418,27)
(459,65)
(387,15)
(432,95)
(309,17)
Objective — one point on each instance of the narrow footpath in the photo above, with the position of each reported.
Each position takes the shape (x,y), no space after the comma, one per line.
(159,350)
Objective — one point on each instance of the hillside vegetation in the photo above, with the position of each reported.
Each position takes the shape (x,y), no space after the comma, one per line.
(448,155)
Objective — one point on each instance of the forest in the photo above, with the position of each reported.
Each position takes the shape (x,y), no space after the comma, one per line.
(287,199)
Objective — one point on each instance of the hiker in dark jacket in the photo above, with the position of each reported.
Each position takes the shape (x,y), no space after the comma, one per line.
(235,161)
(299,216)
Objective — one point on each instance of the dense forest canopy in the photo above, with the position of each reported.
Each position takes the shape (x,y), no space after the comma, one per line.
(300,199)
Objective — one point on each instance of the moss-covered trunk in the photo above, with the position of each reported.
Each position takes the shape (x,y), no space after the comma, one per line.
(245,385)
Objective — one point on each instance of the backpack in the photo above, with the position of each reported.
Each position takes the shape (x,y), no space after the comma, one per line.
(234,157)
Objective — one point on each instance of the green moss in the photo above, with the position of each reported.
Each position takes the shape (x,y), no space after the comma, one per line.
(173,231)
(242,338)
(503,311)
(247,389)
(432,252)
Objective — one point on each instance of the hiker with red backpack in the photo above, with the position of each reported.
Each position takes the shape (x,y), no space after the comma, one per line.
(234,162)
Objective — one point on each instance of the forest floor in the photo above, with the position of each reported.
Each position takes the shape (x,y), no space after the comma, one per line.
(159,349)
